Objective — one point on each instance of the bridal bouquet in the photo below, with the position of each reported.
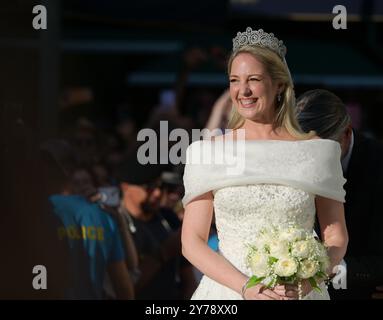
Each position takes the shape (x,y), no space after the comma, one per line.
(289,255)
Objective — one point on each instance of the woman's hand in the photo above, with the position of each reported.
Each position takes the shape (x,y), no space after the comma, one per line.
(291,292)
(260,292)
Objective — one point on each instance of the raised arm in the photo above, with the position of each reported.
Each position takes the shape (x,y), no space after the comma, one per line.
(219,111)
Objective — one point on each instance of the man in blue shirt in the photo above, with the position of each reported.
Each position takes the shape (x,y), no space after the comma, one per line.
(93,237)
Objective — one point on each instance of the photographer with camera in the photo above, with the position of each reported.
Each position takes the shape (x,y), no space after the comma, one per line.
(156,233)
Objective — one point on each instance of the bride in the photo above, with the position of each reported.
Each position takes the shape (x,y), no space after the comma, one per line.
(288,177)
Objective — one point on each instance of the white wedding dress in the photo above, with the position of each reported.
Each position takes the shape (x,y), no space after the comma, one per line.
(277,186)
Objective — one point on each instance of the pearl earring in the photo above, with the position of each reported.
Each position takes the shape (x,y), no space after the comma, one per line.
(279,97)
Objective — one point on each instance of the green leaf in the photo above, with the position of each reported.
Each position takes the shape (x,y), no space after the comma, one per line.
(272,260)
(314,285)
(321,274)
(253,281)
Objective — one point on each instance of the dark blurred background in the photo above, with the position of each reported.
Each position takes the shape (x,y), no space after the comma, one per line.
(110,59)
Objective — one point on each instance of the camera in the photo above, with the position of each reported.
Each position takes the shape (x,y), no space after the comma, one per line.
(109,196)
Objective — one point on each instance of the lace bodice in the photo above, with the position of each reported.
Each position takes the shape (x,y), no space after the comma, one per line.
(241,211)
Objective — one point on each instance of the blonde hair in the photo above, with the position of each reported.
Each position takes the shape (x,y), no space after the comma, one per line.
(277,69)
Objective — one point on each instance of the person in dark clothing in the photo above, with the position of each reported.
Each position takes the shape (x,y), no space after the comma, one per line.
(165,274)
(362,160)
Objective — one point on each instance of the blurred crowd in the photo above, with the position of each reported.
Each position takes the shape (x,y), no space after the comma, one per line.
(80,204)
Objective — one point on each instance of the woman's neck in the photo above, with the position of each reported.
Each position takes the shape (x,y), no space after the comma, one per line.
(258,130)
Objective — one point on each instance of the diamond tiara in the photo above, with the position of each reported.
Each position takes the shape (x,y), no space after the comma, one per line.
(261,39)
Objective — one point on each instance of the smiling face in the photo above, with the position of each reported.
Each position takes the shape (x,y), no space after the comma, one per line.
(252,90)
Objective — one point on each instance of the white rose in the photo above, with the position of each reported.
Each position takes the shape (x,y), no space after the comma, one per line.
(263,241)
(285,267)
(258,264)
(307,269)
(301,249)
(292,234)
(278,249)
